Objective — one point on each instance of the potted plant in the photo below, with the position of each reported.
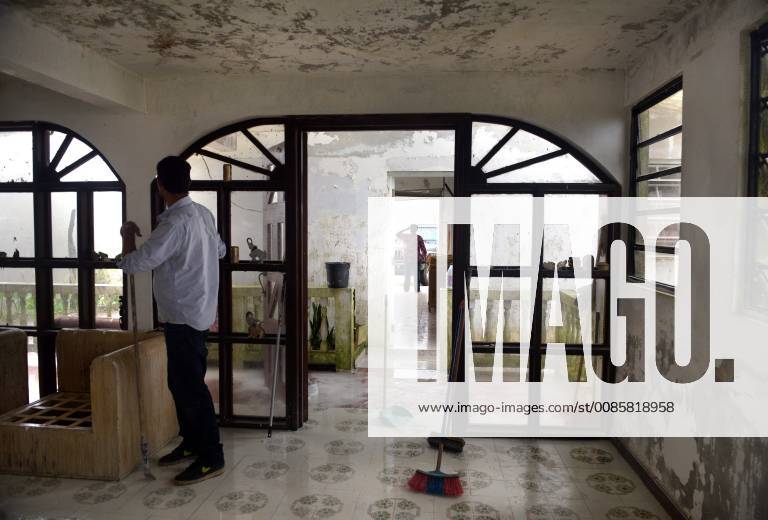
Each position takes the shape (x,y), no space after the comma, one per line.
(315,322)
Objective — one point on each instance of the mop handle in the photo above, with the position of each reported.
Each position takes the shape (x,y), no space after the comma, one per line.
(277,358)
(439,456)
(137,361)
(137,357)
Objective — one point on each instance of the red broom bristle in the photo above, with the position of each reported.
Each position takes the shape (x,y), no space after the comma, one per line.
(418,482)
(452,487)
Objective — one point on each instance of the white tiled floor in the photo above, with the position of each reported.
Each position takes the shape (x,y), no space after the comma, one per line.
(334,471)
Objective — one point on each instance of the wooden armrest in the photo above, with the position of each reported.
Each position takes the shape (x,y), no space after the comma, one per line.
(114,400)
(14,387)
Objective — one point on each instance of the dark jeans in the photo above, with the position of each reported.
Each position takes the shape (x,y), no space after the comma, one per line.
(198,427)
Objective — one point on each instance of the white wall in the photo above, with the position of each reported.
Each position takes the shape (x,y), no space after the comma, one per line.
(707,478)
(710,50)
(585,108)
(344,169)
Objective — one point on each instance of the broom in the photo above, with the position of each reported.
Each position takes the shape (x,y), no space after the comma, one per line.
(451,444)
(438,482)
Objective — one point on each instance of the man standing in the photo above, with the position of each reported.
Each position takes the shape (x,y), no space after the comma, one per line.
(183,252)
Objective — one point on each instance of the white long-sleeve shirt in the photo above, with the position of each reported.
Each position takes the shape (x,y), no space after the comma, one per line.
(183,251)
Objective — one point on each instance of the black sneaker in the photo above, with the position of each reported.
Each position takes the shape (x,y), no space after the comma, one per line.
(197,472)
(180,454)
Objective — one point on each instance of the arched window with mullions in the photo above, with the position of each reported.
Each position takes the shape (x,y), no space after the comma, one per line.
(239,174)
(253,176)
(61,207)
(513,156)
(510,157)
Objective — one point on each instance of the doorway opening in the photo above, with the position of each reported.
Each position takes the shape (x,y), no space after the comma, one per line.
(344,168)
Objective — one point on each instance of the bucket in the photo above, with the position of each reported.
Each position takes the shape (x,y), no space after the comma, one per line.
(338,274)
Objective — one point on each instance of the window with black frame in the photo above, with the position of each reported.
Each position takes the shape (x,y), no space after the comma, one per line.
(238,174)
(757,186)
(655,172)
(758,115)
(516,162)
(61,207)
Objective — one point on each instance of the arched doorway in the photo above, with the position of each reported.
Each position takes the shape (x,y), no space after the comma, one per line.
(253,176)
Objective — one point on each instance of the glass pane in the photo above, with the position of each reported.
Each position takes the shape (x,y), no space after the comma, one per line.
(95,170)
(669,235)
(17,297)
(666,268)
(109,289)
(252,375)
(207,199)
(55,139)
(562,325)
(639,267)
(484,137)
(280,240)
(662,212)
(108,217)
(500,249)
(562,240)
(205,168)
(75,151)
(763,139)
(253,218)
(521,147)
(575,364)
(499,245)
(33,375)
(255,302)
(762,180)
(510,363)
(660,156)
(499,313)
(764,74)
(65,311)
(667,186)
(64,224)
(273,138)
(560,169)
(16,156)
(212,374)
(17,224)
(663,116)
(238,146)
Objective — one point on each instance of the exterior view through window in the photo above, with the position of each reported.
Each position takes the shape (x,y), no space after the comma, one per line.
(656,172)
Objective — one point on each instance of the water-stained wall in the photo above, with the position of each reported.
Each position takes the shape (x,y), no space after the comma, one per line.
(344,169)
(182,109)
(707,478)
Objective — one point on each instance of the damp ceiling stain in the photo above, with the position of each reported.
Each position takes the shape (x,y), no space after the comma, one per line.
(248,36)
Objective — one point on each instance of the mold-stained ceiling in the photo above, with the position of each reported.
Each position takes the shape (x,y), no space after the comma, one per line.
(159,37)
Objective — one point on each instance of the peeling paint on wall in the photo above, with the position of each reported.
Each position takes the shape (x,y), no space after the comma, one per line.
(707,478)
(248,36)
(344,169)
